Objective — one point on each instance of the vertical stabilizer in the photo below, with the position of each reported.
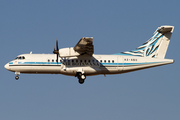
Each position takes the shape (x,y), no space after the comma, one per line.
(156,46)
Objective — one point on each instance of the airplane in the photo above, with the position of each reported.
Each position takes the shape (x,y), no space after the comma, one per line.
(80,61)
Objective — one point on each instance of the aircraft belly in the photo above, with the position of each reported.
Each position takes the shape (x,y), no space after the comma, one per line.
(90,70)
(87,70)
(49,69)
(129,67)
(109,70)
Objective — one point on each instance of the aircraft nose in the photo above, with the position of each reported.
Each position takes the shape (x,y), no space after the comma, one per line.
(7,66)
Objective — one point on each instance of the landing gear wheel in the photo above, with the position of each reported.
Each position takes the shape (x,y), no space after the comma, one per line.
(81,77)
(81,81)
(17,77)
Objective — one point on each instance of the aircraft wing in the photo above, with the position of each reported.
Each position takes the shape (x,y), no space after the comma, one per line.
(85,46)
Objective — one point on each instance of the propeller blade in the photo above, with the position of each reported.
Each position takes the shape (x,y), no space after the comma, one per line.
(57,58)
(56,51)
(57,44)
(57,48)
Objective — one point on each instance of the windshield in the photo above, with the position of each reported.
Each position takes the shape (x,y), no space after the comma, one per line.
(20,58)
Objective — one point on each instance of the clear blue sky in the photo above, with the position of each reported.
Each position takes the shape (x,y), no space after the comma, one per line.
(34,25)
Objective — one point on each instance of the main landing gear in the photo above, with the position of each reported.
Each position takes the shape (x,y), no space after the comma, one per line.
(17,75)
(81,77)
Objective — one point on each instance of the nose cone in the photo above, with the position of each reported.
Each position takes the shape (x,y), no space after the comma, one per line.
(7,66)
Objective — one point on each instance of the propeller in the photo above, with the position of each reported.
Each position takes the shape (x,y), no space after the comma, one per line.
(56,51)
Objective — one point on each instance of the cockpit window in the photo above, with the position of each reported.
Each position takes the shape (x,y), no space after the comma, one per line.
(20,58)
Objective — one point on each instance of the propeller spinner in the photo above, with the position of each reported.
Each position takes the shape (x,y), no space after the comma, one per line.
(56,51)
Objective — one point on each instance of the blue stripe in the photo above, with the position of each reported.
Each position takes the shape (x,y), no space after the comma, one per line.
(109,63)
(120,63)
(38,63)
(45,63)
(129,63)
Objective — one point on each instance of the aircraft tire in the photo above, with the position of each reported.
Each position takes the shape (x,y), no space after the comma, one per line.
(81,81)
(17,77)
(81,77)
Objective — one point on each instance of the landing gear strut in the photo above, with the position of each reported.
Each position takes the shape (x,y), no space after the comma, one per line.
(81,77)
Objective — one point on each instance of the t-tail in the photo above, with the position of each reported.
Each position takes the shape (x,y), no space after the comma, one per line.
(156,46)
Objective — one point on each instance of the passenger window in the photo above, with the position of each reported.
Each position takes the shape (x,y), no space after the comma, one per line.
(77,61)
(108,61)
(89,61)
(52,60)
(85,61)
(101,61)
(48,60)
(112,61)
(72,61)
(105,61)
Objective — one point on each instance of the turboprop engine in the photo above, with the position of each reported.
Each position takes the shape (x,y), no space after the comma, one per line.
(68,52)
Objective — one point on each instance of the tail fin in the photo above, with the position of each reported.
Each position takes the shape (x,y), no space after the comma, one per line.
(156,46)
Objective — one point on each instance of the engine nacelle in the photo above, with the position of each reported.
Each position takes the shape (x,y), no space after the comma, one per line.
(68,52)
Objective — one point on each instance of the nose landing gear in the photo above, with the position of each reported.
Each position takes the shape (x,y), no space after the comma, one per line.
(81,77)
(17,75)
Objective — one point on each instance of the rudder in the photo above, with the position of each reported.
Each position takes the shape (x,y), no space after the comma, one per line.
(163,46)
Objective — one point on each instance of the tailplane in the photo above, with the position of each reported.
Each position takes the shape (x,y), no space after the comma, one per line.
(156,46)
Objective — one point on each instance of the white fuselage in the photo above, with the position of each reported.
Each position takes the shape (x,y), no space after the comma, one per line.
(80,61)
(95,65)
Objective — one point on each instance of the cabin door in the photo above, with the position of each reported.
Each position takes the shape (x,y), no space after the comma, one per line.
(120,63)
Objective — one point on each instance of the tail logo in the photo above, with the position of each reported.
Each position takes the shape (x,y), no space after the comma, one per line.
(156,46)
(148,48)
